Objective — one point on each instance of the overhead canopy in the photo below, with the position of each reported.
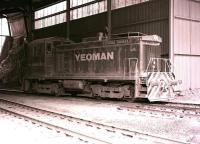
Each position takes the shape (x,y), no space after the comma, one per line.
(12,6)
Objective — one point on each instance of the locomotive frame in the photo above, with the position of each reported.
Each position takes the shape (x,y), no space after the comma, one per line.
(126,66)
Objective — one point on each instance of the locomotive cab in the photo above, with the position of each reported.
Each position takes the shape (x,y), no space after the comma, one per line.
(41,64)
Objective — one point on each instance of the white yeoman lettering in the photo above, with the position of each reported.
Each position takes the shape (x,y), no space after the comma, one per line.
(103,56)
(83,57)
(77,57)
(95,56)
(110,55)
(89,57)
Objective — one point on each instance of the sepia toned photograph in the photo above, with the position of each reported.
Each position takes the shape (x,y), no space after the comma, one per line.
(100,71)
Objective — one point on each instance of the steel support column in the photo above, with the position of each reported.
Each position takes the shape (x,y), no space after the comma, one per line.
(109,17)
(68,18)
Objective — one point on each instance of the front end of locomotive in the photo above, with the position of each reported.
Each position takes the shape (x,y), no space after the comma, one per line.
(155,81)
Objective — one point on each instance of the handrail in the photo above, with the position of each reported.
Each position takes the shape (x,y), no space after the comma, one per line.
(158,61)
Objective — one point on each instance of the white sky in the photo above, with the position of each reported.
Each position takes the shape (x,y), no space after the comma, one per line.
(3,31)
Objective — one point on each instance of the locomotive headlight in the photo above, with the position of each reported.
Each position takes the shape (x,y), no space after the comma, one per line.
(157,38)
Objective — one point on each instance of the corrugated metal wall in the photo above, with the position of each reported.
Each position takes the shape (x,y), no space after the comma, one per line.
(149,17)
(186,41)
(80,28)
(176,21)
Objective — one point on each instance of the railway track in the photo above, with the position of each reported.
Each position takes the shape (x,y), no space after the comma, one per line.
(80,138)
(169,110)
(84,130)
(173,105)
(184,106)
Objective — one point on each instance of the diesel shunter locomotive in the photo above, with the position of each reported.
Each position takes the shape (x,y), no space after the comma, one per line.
(126,66)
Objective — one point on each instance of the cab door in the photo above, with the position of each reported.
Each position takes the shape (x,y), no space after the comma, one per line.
(49,59)
(132,67)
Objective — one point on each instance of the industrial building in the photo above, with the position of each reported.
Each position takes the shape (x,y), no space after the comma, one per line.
(176,21)
(100,71)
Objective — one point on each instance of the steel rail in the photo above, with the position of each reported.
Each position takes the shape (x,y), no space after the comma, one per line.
(179,111)
(124,132)
(82,137)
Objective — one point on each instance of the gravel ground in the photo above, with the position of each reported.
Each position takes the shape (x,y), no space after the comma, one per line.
(188,96)
(107,112)
(19,131)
